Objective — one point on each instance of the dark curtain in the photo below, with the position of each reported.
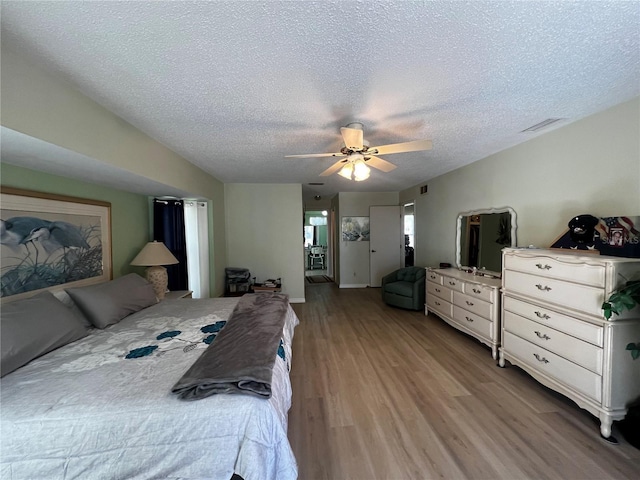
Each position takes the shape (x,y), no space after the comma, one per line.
(168,227)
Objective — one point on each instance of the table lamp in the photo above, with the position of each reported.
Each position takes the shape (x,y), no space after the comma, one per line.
(154,255)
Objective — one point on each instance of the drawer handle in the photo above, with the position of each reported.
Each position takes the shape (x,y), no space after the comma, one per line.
(542,315)
(437,290)
(469,319)
(542,336)
(543,267)
(475,290)
(437,303)
(545,288)
(543,360)
(469,303)
(432,277)
(451,283)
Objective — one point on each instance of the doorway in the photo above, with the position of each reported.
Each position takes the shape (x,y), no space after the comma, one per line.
(408,220)
(317,251)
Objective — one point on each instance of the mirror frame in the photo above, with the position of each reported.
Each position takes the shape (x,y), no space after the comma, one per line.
(514,227)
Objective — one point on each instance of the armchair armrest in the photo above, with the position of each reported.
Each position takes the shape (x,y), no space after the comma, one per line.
(390,277)
(418,287)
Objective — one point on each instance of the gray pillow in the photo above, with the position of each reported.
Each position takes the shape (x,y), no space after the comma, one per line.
(108,303)
(34,326)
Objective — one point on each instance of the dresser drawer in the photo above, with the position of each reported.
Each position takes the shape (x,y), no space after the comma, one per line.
(567,372)
(472,321)
(453,283)
(479,291)
(439,291)
(552,268)
(439,305)
(474,305)
(566,346)
(572,295)
(434,277)
(545,316)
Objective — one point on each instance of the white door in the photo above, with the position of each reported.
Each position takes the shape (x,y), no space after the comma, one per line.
(385,241)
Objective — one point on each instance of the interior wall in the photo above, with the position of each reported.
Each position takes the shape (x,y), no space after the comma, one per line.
(265,234)
(45,106)
(129,212)
(353,257)
(589,166)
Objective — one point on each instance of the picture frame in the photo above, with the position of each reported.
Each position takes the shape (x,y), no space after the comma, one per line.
(51,242)
(355,229)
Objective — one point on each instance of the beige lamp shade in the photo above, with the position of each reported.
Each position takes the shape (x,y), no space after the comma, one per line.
(154,255)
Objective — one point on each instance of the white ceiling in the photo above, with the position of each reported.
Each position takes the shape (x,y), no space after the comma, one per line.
(233,87)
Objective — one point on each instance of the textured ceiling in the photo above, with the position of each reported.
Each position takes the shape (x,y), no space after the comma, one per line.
(233,87)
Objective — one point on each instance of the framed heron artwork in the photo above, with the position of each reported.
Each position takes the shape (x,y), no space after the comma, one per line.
(49,240)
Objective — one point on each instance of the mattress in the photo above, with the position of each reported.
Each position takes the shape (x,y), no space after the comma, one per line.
(102,407)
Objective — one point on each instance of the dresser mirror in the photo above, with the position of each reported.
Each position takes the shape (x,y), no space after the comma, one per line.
(480,237)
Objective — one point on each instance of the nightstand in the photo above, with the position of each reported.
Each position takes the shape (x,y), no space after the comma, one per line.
(178,294)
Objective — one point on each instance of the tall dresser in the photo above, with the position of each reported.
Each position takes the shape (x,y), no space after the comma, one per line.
(470,303)
(553,327)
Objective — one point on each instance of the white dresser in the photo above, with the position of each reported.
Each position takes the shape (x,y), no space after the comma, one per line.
(468,302)
(553,327)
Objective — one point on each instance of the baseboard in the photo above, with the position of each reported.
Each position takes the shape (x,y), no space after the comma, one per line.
(354,285)
(297,300)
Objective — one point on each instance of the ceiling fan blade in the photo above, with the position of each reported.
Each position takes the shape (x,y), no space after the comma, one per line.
(402,147)
(315,155)
(380,164)
(333,168)
(353,138)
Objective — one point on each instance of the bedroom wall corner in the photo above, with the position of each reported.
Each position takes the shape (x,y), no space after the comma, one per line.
(264,233)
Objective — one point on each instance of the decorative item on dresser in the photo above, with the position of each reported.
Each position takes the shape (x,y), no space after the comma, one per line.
(468,302)
(553,327)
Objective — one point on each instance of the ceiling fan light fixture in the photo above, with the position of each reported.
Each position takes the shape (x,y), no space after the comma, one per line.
(359,178)
(346,171)
(360,170)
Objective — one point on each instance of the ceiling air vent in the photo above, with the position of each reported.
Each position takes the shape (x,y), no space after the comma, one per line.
(316,183)
(542,124)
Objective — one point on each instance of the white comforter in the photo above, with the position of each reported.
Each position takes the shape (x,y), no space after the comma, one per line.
(86,411)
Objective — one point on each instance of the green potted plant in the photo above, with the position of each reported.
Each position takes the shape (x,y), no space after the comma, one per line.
(624,299)
(627,298)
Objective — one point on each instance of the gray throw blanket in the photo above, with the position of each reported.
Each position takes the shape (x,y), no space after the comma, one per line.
(241,358)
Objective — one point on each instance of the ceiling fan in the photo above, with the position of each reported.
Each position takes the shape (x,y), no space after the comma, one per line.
(360,156)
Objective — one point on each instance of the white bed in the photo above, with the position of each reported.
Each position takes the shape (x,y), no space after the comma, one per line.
(86,411)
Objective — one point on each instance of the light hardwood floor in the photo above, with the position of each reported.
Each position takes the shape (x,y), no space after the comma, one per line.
(384,393)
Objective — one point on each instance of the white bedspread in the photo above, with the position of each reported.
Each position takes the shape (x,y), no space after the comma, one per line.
(86,411)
